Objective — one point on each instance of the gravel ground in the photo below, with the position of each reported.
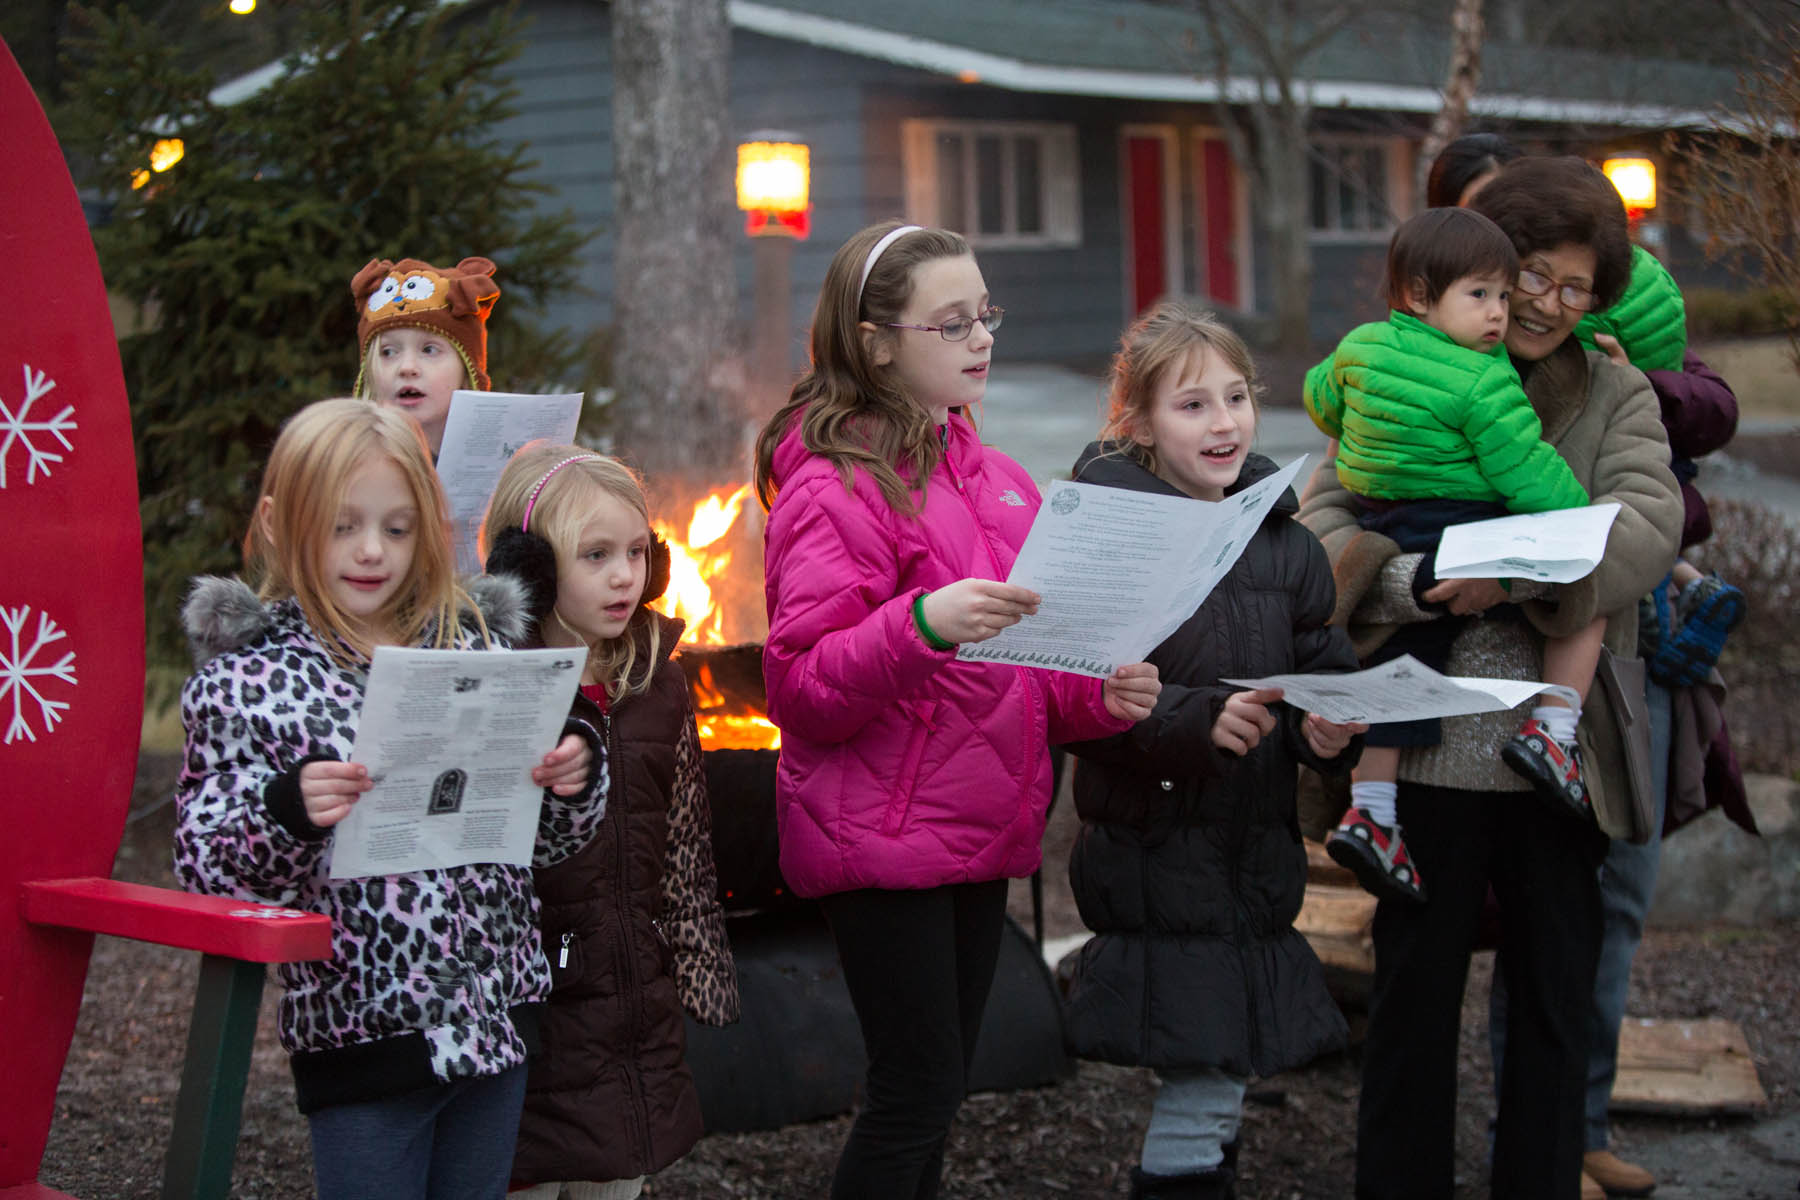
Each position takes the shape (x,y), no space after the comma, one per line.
(1078,1138)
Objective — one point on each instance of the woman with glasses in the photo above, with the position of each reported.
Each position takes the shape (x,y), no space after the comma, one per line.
(1467,825)
(1683,626)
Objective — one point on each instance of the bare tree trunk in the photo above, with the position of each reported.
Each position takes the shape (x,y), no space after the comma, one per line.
(675,362)
(1466,33)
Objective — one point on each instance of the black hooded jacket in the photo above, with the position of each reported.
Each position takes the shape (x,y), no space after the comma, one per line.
(1189,867)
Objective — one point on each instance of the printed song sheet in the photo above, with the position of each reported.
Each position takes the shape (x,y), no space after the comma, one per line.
(1403,689)
(1120,570)
(1559,546)
(450,738)
(481,433)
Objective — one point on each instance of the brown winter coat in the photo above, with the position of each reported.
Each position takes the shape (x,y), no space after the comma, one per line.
(635,935)
(1604,421)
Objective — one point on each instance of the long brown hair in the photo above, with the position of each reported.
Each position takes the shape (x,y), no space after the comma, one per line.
(309,471)
(1154,344)
(563,507)
(851,411)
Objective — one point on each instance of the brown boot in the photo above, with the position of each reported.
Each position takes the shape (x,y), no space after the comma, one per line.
(1591,1190)
(1615,1176)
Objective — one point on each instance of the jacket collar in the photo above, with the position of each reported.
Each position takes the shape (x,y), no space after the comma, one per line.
(1557,386)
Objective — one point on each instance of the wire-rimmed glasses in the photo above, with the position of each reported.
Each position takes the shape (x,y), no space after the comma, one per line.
(958,328)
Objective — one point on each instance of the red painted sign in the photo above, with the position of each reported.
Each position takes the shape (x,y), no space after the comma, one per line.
(71,605)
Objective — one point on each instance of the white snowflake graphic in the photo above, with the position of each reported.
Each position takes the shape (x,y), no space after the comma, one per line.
(19,428)
(20,677)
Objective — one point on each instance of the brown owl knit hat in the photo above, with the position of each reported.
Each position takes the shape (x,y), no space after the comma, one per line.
(454,303)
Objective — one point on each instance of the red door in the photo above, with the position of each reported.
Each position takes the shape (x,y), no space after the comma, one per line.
(1219,224)
(1147,219)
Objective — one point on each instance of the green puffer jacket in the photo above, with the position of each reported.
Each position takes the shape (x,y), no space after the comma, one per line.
(1419,417)
(1650,319)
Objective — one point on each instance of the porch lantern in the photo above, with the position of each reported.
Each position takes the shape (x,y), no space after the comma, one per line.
(774,176)
(1635,178)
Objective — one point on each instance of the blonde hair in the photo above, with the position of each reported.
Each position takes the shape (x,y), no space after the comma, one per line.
(1156,343)
(851,411)
(303,486)
(562,508)
(365,370)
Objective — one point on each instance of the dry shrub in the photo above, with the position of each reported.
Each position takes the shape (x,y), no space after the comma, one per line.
(1758,549)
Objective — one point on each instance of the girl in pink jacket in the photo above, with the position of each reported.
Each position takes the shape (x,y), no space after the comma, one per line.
(912,785)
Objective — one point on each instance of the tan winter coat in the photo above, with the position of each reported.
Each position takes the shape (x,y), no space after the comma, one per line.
(1604,421)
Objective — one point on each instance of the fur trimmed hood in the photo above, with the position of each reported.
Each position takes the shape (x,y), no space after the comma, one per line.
(223,613)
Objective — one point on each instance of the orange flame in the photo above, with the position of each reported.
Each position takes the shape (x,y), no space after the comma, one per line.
(698,565)
(692,565)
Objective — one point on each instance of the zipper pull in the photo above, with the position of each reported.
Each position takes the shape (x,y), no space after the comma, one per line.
(562,957)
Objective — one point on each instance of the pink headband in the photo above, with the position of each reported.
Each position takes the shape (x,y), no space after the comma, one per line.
(531,501)
(875,252)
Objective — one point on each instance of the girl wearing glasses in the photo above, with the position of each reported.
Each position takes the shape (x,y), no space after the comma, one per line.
(912,785)
(1435,429)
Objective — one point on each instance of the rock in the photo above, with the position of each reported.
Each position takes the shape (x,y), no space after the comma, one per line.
(1713,872)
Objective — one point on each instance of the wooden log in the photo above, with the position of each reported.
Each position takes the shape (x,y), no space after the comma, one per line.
(1335,920)
(1686,1068)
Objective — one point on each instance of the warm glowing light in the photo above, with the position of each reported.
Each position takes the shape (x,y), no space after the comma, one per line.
(166,153)
(773,176)
(969,75)
(243,8)
(695,559)
(1636,180)
(742,730)
(139,178)
(699,571)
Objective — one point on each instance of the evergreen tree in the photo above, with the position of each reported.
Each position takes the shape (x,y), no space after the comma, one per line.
(376,142)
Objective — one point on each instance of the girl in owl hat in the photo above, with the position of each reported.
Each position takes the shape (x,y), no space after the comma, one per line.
(422,333)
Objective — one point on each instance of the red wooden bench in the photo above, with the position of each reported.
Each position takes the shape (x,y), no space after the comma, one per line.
(71,698)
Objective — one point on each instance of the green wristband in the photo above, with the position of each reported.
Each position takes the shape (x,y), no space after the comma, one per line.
(925,631)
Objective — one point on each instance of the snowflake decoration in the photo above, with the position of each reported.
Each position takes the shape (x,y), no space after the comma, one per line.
(20,677)
(19,428)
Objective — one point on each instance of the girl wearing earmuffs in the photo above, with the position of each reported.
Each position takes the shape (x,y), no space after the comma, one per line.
(631,924)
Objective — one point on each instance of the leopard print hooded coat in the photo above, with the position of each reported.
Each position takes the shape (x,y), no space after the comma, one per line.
(435,975)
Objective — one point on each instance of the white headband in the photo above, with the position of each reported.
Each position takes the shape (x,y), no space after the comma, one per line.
(888,239)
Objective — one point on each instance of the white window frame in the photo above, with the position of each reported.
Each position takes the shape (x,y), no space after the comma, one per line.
(1059,179)
(1395,175)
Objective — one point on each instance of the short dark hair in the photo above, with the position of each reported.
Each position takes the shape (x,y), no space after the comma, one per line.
(1462,162)
(1442,245)
(1543,203)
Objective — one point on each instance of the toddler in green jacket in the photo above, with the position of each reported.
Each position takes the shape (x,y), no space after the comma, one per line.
(1434,429)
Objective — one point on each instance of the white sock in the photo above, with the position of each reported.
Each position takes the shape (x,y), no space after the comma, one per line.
(1558,720)
(1376,799)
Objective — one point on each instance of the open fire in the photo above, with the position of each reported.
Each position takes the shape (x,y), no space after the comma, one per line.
(721,650)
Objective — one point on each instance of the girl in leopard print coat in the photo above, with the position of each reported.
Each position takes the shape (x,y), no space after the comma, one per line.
(408,1045)
(632,923)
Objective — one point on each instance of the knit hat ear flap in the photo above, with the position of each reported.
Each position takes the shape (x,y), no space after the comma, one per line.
(656,582)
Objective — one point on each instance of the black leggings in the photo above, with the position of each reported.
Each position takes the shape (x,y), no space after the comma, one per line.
(1543,867)
(918,965)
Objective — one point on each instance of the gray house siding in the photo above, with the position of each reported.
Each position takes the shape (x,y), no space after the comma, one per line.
(1065,304)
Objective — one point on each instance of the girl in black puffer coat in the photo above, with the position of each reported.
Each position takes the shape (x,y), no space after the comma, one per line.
(1189,866)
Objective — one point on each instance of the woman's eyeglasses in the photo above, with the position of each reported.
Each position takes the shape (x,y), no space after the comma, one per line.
(1533,284)
(958,328)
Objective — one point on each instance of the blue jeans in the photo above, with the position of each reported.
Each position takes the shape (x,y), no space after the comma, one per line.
(451,1141)
(1195,1114)
(1627,885)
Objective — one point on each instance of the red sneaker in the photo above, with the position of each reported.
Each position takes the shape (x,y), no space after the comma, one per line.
(1553,769)
(1377,856)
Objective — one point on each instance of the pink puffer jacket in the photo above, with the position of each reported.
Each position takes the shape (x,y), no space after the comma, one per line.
(900,766)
